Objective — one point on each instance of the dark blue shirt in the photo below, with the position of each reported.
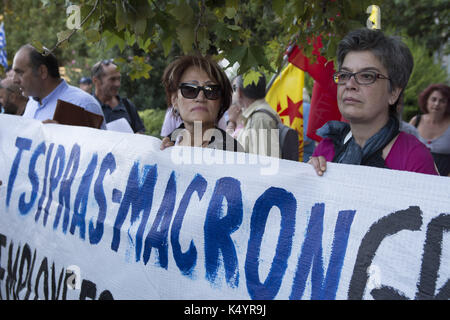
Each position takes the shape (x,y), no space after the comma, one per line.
(121,111)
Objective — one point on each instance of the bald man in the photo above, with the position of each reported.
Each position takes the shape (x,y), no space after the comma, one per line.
(38,77)
(11,97)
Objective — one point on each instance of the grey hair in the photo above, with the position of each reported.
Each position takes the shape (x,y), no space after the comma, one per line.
(393,54)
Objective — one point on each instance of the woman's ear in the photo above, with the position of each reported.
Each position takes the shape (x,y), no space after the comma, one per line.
(395,94)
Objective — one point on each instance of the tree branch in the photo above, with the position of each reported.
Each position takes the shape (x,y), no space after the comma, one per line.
(47,51)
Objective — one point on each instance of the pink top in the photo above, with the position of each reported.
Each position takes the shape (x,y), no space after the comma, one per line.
(407,154)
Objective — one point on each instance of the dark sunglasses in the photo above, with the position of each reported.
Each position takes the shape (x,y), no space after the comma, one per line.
(191,91)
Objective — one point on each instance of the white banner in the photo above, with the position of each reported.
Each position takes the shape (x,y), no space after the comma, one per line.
(90,214)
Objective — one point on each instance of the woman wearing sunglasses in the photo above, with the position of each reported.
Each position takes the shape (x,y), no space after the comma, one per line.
(199,92)
(374,69)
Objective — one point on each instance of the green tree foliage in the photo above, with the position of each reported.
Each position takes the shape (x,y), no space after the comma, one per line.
(239,31)
(153,120)
(426,21)
(426,71)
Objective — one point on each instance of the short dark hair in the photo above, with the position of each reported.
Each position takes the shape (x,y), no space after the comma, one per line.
(253,91)
(47,59)
(425,94)
(97,70)
(392,53)
(174,71)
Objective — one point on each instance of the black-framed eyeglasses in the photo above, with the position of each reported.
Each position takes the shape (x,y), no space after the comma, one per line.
(361,77)
(191,91)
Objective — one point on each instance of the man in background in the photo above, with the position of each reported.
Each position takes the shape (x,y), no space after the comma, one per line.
(258,118)
(106,78)
(37,75)
(11,97)
(85,84)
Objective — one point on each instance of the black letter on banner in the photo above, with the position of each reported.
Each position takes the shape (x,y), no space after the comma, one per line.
(158,234)
(81,199)
(42,270)
(2,244)
(43,195)
(105,295)
(431,260)
(96,233)
(186,261)
(409,219)
(218,228)
(26,257)
(2,270)
(55,290)
(12,271)
(88,290)
(64,189)
(287,204)
(27,295)
(139,197)
(21,144)
(24,207)
(55,176)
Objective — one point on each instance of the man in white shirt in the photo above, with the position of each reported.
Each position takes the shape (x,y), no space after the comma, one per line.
(38,77)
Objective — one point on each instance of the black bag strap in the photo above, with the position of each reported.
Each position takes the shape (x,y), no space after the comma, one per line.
(416,124)
(127,105)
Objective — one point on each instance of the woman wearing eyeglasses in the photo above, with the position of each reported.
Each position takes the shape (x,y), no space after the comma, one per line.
(199,92)
(373,71)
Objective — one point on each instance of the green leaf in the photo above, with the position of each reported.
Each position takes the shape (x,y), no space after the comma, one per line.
(182,12)
(92,35)
(167,42)
(38,45)
(250,77)
(232,3)
(234,27)
(278,7)
(139,26)
(139,69)
(130,38)
(186,38)
(230,12)
(120,17)
(237,54)
(112,40)
(63,35)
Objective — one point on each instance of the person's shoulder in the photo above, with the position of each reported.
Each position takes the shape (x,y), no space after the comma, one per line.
(408,146)
(409,154)
(408,140)
(260,112)
(81,94)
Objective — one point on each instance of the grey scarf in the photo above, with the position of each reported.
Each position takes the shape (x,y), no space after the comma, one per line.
(349,152)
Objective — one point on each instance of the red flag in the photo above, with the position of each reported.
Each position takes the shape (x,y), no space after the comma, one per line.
(323,99)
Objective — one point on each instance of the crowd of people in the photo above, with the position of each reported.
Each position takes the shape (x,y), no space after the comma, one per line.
(207,109)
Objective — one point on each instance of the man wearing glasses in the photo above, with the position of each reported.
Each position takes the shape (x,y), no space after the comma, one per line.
(106,78)
(37,75)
